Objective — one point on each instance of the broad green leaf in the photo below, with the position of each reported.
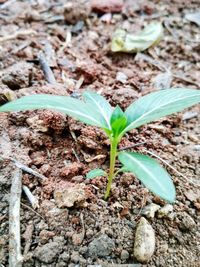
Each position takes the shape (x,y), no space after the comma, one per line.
(133,43)
(158,104)
(150,173)
(94,173)
(65,104)
(118,121)
(101,105)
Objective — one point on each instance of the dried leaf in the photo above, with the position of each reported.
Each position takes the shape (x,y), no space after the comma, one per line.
(133,43)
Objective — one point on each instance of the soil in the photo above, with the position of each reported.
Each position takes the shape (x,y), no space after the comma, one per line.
(88,230)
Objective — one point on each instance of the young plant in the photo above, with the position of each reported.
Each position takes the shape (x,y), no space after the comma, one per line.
(95,110)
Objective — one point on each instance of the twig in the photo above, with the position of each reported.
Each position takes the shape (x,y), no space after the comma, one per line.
(15,257)
(33,200)
(49,76)
(185,80)
(76,155)
(170,166)
(83,225)
(17,34)
(26,206)
(131,146)
(27,169)
(28,238)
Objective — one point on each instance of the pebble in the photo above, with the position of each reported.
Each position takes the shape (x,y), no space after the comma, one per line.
(75,257)
(186,221)
(150,210)
(77,239)
(144,244)
(121,77)
(164,211)
(124,255)
(101,246)
(191,195)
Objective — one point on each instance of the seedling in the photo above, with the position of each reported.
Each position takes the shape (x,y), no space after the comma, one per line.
(95,110)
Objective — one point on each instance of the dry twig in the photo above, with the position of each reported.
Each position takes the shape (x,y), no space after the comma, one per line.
(49,76)
(17,34)
(27,169)
(33,200)
(15,257)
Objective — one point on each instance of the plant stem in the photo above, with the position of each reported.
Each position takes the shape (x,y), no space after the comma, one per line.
(113,154)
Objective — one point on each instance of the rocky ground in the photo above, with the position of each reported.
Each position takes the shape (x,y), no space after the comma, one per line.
(72,225)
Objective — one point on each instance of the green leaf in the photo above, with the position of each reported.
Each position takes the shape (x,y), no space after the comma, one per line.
(133,43)
(150,173)
(158,104)
(118,121)
(94,173)
(100,104)
(76,108)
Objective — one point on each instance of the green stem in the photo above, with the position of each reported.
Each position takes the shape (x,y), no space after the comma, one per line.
(113,154)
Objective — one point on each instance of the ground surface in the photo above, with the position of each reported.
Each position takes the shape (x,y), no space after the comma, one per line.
(94,231)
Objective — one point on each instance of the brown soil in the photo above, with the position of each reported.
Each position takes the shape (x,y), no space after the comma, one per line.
(64,150)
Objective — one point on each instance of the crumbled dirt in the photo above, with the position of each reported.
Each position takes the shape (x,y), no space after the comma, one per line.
(76,42)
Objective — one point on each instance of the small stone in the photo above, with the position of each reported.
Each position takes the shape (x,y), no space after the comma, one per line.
(121,77)
(164,211)
(65,256)
(77,239)
(101,246)
(48,252)
(186,221)
(163,80)
(191,195)
(73,194)
(124,255)
(75,257)
(45,235)
(150,210)
(144,245)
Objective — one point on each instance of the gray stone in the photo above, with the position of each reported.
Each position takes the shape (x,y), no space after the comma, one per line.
(165,211)
(186,221)
(48,252)
(124,254)
(150,210)
(101,246)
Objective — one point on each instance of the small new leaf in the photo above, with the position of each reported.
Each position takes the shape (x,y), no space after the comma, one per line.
(118,121)
(95,173)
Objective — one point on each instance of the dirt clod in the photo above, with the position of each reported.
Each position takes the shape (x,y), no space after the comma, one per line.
(17,76)
(70,195)
(101,246)
(48,252)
